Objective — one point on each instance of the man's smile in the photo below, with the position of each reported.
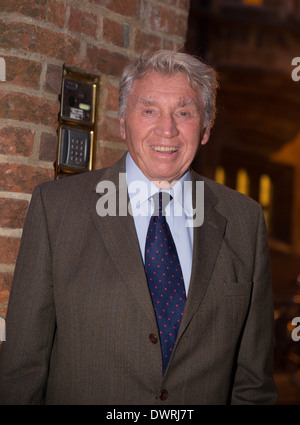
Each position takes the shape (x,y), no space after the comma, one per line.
(168,149)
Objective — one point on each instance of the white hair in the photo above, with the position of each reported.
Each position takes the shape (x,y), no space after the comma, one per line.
(169,62)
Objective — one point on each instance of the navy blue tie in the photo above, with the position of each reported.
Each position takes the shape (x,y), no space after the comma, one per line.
(165,278)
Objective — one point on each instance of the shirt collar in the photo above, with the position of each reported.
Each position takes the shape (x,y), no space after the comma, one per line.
(181,191)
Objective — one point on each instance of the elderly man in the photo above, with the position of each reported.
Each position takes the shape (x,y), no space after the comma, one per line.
(143,304)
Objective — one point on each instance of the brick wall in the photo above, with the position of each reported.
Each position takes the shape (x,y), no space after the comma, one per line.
(36,39)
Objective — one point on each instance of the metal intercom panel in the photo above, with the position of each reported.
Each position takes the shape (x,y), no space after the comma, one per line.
(74,150)
(77,123)
(78,101)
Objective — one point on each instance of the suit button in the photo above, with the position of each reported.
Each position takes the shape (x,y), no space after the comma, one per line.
(153,338)
(163,395)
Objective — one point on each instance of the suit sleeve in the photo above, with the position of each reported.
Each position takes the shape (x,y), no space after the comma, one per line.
(253,383)
(24,357)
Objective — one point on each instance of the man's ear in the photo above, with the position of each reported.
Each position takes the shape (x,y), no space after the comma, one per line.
(205,137)
(122,128)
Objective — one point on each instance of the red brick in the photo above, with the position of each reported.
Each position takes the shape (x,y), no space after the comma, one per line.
(83,22)
(48,147)
(141,39)
(164,19)
(23,72)
(56,13)
(5,281)
(182,26)
(104,61)
(126,8)
(13,35)
(112,98)
(22,178)
(33,8)
(53,79)
(13,212)
(60,46)
(23,107)
(113,32)
(16,141)
(5,285)
(160,18)
(9,248)
(109,129)
(28,37)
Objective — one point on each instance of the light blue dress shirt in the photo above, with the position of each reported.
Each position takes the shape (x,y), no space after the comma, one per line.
(178,211)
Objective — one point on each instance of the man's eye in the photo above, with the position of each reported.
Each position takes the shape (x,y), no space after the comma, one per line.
(183,114)
(188,114)
(150,112)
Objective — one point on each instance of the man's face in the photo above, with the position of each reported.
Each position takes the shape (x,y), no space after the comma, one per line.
(163,123)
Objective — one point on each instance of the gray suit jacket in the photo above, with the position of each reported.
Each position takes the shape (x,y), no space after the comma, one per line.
(80,313)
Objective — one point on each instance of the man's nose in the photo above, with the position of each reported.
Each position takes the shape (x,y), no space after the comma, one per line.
(166,127)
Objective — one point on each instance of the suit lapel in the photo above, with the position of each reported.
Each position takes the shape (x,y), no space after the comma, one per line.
(119,237)
(207,242)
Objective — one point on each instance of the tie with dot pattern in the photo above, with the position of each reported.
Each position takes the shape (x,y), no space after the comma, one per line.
(164,277)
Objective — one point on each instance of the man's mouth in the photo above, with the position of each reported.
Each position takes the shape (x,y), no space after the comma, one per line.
(168,149)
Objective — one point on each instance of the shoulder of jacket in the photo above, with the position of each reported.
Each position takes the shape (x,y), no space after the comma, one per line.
(86,181)
(227,197)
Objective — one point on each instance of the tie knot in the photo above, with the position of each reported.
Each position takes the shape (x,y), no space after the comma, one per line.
(161,200)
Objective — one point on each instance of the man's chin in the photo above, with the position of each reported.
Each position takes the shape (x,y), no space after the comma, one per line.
(165,181)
